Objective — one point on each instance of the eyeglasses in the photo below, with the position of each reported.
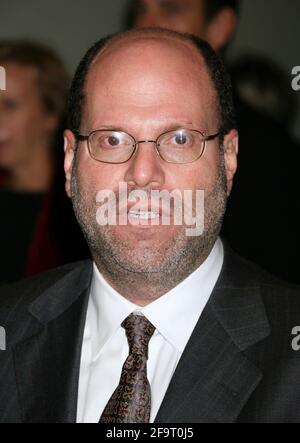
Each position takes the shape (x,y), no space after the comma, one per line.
(180,146)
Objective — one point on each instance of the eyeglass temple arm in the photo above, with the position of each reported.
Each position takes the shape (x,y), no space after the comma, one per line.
(80,137)
(212,137)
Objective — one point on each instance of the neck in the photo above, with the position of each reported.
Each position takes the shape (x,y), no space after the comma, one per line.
(33,176)
(144,288)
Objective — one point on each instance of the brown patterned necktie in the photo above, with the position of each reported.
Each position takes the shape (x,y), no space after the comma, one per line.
(131,401)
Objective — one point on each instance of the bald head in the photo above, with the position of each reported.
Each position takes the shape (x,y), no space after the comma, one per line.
(151,60)
(151,76)
(158,35)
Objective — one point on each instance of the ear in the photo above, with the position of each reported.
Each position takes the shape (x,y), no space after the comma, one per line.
(231,148)
(221,28)
(69,148)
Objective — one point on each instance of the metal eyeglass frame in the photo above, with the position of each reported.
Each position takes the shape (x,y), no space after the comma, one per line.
(206,138)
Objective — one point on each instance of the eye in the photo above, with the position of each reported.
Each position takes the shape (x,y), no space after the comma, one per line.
(108,141)
(113,140)
(10,104)
(180,139)
(177,140)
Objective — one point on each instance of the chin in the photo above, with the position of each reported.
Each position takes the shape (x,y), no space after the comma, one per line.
(143,265)
(137,236)
(145,257)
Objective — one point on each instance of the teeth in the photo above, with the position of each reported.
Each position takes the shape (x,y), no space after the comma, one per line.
(145,215)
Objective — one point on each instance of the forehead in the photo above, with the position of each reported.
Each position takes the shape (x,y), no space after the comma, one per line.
(147,73)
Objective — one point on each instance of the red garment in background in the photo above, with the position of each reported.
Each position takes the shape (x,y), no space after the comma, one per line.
(44,252)
(57,238)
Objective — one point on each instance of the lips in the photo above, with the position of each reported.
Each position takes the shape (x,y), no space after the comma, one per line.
(135,208)
(144,215)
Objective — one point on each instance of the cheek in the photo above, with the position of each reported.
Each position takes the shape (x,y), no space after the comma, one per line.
(96,176)
(28,124)
(17,122)
(200,175)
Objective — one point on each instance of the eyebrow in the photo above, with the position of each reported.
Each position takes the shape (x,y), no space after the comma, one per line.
(164,128)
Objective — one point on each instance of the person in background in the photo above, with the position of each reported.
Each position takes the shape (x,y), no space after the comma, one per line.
(32,110)
(260,222)
(213,20)
(263,85)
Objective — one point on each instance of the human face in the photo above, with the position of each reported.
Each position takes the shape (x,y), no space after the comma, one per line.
(145,87)
(25,126)
(187,16)
(177,15)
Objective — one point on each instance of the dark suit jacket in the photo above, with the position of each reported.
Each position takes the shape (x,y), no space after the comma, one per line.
(238,366)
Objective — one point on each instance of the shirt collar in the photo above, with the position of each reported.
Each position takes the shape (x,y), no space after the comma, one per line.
(183,304)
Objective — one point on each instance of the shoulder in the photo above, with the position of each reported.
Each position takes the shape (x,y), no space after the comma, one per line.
(18,296)
(279,297)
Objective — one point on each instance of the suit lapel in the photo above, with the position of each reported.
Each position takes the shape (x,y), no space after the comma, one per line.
(214,379)
(212,382)
(47,363)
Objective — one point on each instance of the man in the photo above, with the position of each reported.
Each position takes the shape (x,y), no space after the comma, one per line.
(272,239)
(162,326)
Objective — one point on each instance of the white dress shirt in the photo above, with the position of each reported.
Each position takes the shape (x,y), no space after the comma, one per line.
(105,346)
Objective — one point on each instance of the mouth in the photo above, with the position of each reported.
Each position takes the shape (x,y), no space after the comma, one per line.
(144,215)
(147,214)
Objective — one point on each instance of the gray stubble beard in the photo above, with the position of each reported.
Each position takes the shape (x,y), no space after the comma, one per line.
(182,257)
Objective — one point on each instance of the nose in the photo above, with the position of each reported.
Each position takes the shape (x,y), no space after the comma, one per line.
(145,169)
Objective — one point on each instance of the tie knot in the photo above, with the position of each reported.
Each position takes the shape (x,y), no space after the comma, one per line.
(139,330)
